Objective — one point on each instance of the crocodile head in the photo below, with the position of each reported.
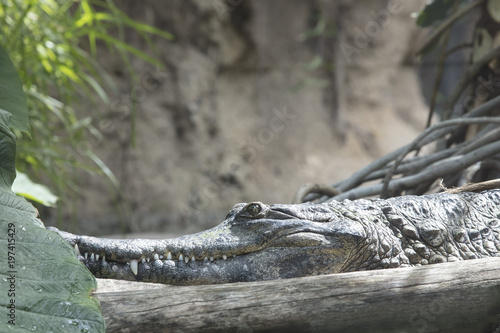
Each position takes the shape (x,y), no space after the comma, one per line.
(255,242)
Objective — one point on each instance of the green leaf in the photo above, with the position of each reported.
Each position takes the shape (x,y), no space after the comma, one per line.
(435,11)
(44,287)
(53,45)
(124,46)
(23,186)
(149,29)
(315,63)
(12,97)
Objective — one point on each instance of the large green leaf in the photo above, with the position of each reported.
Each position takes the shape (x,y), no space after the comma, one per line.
(12,97)
(433,12)
(437,10)
(43,286)
(25,187)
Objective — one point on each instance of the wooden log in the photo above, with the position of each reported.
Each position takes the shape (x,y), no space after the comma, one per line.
(450,297)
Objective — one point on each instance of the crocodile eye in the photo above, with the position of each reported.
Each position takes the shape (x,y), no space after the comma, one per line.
(253,210)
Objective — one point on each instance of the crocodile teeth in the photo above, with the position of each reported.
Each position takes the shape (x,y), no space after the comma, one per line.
(103,258)
(161,256)
(211,258)
(77,251)
(143,260)
(169,256)
(86,255)
(96,257)
(186,259)
(193,259)
(134,264)
(181,257)
(156,257)
(147,259)
(224,257)
(92,256)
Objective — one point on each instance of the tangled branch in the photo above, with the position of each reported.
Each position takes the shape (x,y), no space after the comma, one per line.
(397,172)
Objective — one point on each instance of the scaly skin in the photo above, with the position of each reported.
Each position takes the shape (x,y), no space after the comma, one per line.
(263,242)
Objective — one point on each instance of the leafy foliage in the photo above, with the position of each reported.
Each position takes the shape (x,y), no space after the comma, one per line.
(43,285)
(435,11)
(438,10)
(53,44)
(23,186)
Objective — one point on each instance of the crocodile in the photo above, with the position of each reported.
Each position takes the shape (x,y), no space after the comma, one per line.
(259,242)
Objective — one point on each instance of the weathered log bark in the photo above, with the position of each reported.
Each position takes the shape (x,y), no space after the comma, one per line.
(450,297)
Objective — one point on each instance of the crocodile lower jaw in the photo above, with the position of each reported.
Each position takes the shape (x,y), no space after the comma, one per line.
(267,264)
(93,258)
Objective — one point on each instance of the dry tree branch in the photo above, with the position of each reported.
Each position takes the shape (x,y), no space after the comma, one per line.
(420,138)
(311,188)
(437,170)
(360,176)
(479,140)
(417,170)
(416,163)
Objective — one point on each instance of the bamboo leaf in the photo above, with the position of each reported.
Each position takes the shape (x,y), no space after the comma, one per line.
(118,43)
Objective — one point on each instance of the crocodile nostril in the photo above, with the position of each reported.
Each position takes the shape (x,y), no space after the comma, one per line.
(485,232)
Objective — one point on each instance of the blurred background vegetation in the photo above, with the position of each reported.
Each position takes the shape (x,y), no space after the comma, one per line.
(53,46)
